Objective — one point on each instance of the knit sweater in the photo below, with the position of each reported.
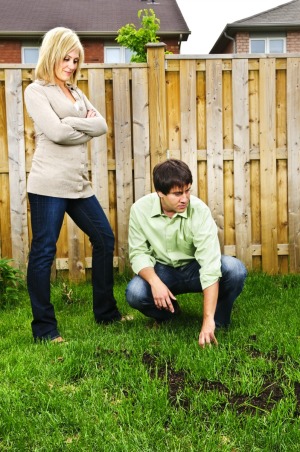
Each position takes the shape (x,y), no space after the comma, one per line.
(62,130)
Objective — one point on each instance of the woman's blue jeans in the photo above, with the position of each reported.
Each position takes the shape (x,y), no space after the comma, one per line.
(186,279)
(47,214)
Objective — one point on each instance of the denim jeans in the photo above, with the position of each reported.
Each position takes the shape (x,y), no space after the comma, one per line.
(47,214)
(186,279)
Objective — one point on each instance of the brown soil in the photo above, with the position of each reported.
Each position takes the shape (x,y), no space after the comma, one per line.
(271,392)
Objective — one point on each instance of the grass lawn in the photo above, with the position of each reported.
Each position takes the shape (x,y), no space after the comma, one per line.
(137,387)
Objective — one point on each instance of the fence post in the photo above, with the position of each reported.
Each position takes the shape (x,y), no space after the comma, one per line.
(157,102)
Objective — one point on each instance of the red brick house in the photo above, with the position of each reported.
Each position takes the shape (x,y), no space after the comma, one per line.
(23,24)
(276,30)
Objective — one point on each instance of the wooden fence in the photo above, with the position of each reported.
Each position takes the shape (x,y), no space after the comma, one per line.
(234,119)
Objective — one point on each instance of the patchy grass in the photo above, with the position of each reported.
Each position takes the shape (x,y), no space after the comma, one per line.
(137,387)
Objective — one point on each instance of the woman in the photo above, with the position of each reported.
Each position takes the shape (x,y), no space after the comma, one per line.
(64,122)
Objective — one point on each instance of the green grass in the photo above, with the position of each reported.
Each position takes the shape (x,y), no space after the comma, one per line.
(136,387)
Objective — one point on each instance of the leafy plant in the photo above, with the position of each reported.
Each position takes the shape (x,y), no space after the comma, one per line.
(11,279)
(136,40)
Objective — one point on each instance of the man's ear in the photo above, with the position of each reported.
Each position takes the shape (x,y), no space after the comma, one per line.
(160,194)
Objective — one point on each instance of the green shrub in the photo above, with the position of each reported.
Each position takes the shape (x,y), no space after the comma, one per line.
(11,279)
(136,40)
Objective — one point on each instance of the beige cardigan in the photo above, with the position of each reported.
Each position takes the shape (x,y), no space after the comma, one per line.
(60,165)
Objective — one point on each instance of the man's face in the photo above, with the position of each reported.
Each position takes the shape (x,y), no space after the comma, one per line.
(176,201)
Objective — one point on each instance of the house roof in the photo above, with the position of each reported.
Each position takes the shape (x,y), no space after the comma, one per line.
(86,17)
(285,17)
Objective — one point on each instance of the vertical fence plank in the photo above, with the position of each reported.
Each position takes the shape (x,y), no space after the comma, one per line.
(201,134)
(282,173)
(17,170)
(76,252)
(140,119)
(241,161)
(229,226)
(268,166)
(5,238)
(173,113)
(188,117)
(215,191)
(157,103)
(99,167)
(122,126)
(254,120)
(293,102)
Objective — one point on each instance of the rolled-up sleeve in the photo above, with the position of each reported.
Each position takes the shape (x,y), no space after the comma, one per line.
(139,250)
(206,242)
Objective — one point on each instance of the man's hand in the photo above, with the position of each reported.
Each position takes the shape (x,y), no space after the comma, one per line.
(207,333)
(162,296)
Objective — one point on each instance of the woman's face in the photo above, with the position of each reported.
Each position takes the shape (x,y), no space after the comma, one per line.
(65,68)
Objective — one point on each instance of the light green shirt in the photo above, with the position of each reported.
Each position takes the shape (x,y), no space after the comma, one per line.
(154,237)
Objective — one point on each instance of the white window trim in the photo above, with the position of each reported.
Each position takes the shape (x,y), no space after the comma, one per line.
(122,50)
(267,40)
(28,47)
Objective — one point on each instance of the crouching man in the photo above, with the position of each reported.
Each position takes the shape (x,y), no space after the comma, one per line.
(174,249)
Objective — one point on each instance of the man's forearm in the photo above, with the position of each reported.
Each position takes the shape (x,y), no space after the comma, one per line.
(149,275)
(210,298)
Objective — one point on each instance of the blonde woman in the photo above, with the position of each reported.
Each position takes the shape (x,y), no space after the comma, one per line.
(58,182)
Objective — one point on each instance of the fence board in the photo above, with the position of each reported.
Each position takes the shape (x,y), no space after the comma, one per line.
(268,166)
(293,102)
(201,133)
(140,118)
(173,114)
(99,164)
(229,227)
(188,117)
(282,173)
(123,158)
(157,106)
(241,161)
(17,171)
(76,260)
(215,144)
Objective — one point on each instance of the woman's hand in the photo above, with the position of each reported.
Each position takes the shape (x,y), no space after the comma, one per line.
(91,114)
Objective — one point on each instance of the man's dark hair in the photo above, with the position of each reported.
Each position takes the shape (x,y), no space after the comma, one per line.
(171,173)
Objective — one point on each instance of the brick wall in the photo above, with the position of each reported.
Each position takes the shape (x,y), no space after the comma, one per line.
(172,46)
(93,51)
(242,42)
(293,42)
(10,52)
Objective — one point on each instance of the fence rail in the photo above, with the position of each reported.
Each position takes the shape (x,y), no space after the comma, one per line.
(234,119)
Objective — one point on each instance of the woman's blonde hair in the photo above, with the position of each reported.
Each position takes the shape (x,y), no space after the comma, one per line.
(57,43)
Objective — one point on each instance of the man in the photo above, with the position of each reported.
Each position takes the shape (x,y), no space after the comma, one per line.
(174,249)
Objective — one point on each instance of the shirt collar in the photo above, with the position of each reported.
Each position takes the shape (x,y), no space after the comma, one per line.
(44,83)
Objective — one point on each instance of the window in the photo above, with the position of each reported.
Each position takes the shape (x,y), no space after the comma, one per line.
(113,54)
(268,45)
(30,54)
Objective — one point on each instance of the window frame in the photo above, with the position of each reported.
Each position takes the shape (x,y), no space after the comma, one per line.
(122,50)
(28,46)
(267,40)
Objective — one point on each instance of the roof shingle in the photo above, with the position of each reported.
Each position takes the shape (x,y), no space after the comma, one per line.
(86,16)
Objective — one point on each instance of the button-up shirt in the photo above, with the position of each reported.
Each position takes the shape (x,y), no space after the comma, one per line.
(155,237)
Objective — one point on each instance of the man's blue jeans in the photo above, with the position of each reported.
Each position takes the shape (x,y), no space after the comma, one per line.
(47,214)
(186,279)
